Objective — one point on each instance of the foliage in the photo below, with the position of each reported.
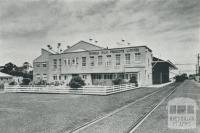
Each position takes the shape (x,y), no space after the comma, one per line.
(133,80)
(56,83)
(41,82)
(26,81)
(117,81)
(76,82)
(181,78)
(14,70)
(13,83)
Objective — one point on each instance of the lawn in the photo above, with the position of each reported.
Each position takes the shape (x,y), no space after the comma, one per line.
(57,113)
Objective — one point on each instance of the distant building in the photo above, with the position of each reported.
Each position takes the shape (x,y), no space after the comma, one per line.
(5,78)
(100,66)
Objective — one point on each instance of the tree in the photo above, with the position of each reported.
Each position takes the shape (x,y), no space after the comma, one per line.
(8,68)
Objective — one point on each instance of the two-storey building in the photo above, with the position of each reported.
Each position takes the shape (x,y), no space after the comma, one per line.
(94,64)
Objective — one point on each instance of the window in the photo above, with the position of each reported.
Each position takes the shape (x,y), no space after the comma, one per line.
(68,61)
(37,65)
(65,62)
(60,63)
(83,61)
(108,61)
(38,76)
(181,109)
(99,60)
(73,61)
(55,63)
(108,76)
(55,77)
(118,59)
(65,77)
(91,60)
(44,76)
(137,56)
(190,109)
(128,58)
(59,77)
(44,65)
(76,60)
(84,76)
(172,109)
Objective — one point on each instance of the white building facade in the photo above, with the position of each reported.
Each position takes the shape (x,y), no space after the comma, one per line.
(95,65)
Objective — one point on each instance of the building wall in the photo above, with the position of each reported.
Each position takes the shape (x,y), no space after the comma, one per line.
(160,73)
(39,68)
(6,80)
(64,70)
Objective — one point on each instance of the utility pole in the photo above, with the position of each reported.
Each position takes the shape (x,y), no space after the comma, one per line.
(198,68)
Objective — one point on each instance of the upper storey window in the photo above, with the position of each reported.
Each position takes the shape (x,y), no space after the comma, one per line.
(137,56)
(100,60)
(91,60)
(55,63)
(83,61)
(118,59)
(128,58)
(108,60)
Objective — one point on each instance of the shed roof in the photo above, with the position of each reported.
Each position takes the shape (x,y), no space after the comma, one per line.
(168,62)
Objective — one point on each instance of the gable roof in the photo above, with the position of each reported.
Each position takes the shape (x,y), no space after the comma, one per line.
(4,75)
(44,56)
(86,46)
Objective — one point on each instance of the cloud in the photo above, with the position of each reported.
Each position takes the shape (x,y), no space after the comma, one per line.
(160,23)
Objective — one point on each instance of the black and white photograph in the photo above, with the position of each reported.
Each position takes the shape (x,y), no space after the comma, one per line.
(99,66)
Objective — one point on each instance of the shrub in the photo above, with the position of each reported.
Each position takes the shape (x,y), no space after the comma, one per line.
(117,81)
(56,83)
(12,83)
(25,81)
(76,82)
(42,82)
(133,80)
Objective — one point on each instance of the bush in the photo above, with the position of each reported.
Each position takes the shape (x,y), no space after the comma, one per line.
(13,83)
(133,80)
(76,82)
(117,81)
(42,82)
(25,81)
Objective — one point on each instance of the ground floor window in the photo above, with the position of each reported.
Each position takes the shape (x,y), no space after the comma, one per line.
(55,77)
(65,77)
(114,76)
(84,76)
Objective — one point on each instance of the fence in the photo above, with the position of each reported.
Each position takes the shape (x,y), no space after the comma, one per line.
(96,90)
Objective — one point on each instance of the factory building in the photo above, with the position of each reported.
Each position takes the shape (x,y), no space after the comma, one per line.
(100,66)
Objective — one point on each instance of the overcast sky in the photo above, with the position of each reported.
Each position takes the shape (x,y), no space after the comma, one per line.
(171,28)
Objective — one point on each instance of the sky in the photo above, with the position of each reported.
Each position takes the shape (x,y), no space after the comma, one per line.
(171,28)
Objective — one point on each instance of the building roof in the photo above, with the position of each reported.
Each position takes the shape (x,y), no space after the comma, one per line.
(4,75)
(86,46)
(168,62)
